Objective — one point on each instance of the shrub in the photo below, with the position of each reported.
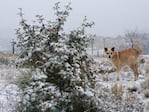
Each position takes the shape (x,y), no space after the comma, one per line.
(145,87)
(63,73)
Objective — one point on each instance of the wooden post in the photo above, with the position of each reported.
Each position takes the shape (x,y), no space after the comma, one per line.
(13,46)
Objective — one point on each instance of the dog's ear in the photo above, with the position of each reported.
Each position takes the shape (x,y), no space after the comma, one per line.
(106,49)
(112,48)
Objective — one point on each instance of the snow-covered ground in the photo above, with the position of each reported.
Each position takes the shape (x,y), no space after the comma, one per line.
(128,87)
(9,91)
(132,94)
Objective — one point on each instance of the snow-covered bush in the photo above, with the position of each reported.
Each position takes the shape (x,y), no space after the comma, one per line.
(63,76)
(105,67)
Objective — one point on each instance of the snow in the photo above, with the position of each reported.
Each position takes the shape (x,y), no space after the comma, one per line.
(131,87)
(9,92)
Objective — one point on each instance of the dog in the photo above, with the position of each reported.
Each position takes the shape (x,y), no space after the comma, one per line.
(125,57)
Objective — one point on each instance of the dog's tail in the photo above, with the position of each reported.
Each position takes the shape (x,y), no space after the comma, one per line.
(138,48)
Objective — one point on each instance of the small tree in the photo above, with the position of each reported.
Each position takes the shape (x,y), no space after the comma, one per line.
(132,36)
(64,72)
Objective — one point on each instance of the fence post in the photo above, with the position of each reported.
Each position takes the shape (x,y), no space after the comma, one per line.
(13,46)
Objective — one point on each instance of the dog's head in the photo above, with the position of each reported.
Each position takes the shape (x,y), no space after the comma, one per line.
(109,52)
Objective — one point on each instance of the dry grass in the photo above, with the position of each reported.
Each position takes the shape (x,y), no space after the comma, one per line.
(8,55)
(146,93)
(4,60)
(7,58)
(145,65)
(117,89)
(23,78)
(145,87)
(147,68)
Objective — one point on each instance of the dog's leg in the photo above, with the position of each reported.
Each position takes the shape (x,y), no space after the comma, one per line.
(118,65)
(135,71)
(118,72)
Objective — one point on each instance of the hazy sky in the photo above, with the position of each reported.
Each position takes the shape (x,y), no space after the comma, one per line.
(111,17)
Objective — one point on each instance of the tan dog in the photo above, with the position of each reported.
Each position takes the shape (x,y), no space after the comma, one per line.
(125,57)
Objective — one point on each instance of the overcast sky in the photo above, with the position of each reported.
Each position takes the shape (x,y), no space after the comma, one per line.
(111,17)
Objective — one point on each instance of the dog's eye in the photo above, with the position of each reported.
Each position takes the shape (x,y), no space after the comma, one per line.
(111,53)
(107,53)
